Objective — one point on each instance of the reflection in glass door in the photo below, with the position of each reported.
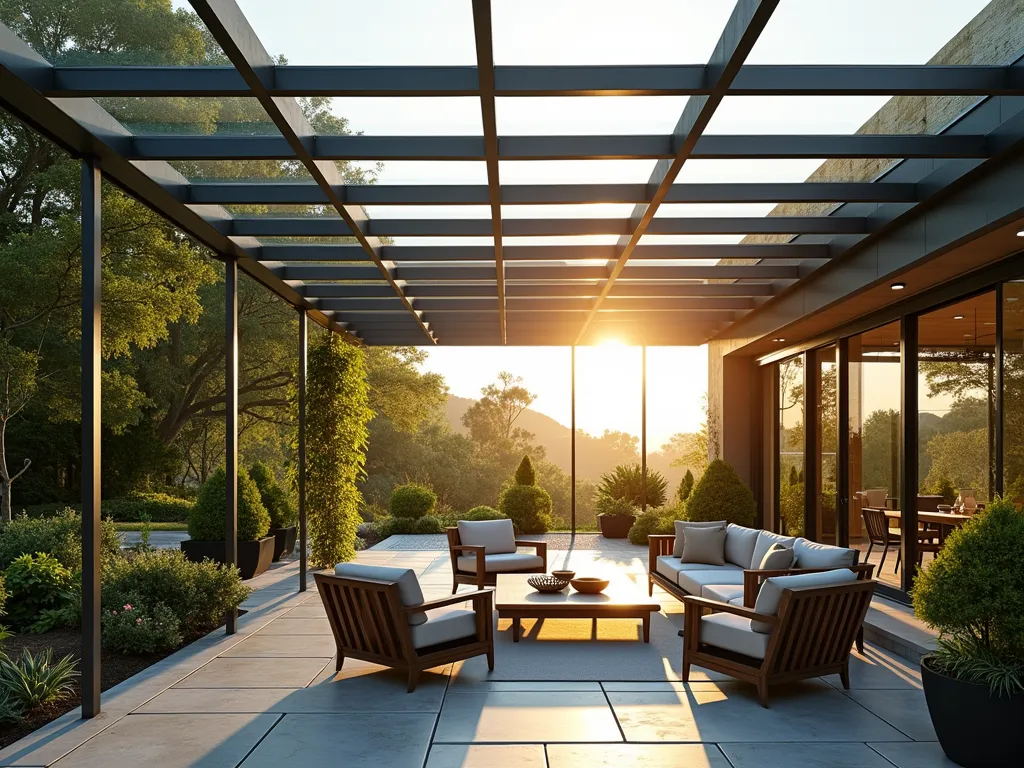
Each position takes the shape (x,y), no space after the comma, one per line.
(826,476)
(790,465)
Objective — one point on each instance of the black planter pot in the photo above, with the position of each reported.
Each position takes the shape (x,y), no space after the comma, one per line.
(284,540)
(615,526)
(975,728)
(254,557)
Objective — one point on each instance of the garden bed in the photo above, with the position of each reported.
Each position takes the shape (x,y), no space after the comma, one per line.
(114,668)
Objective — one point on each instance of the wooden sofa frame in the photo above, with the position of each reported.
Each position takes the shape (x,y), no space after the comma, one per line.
(370,623)
(481,578)
(810,637)
(661,545)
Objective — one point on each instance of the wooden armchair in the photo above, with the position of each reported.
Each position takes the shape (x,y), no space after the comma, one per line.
(370,622)
(484,573)
(810,636)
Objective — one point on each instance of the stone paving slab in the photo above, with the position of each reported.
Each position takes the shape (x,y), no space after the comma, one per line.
(927,754)
(836,755)
(638,755)
(487,756)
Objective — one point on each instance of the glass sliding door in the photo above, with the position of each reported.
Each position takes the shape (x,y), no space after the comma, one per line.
(824,508)
(790,466)
(873,375)
(1013,390)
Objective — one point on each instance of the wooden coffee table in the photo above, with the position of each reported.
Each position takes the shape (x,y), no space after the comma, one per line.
(517,600)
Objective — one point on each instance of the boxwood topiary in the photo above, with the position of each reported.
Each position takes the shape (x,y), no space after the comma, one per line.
(721,495)
(483,512)
(280,508)
(412,501)
(158,507)
(428,524)
(206,520)
(528,506)
(525,473)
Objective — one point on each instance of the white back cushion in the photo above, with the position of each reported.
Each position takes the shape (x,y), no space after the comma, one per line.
(682,525)
(777,558)
(409,591)
(739,544)
(810,554)
(765,539)
(497,536)
(769,598)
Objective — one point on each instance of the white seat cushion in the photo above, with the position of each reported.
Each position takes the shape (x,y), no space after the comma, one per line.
(670,567)
(694,581)
(444,627)
(769,597)
(498,536)
(733,633)
(739,544)
(810,554)
(409,591)
(737,601)
(765,539)
(505,563)
(723,592)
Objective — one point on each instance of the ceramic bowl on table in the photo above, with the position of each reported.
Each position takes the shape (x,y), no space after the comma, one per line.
(567,575)
(547,583)
(589,585)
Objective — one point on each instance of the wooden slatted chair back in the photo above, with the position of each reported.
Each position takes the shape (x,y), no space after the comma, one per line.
(366,616)
(817,627)
(876,523)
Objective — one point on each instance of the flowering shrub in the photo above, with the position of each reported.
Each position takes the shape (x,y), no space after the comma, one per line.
(136,629)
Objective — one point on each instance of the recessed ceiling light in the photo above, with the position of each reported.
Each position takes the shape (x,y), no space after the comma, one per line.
(967,335)
(958,317)
(898,286)
(778,340)
(1021,233)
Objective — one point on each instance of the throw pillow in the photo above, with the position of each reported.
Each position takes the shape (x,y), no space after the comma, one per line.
(704,545)
(681,527)
(778,558)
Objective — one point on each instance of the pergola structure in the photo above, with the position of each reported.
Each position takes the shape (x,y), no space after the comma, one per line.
(349,279)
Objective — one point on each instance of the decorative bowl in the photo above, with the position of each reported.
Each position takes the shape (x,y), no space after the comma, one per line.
(567,575)
(589,585)
(547,583)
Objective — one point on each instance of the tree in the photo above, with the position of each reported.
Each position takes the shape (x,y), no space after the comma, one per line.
(525,474)
(17,384)
(337,413)
(685,486)
(400,392)
(491,419)
(720,494)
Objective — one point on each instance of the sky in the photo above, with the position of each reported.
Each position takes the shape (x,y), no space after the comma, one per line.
(567,32)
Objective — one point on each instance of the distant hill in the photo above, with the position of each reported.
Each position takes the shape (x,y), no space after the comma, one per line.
(593,456)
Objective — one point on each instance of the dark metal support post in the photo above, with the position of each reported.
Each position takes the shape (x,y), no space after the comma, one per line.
(643,425)
(995,399)
(908,448)
(303,350)
(231,424)
(843,442)
(572,442)
(91,423)
(812,445)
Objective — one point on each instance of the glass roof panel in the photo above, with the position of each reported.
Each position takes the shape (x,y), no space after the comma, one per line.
(428,211)
(408,116)
(190,115)
(575,171)
(713,210)
(588,115)
(539,32)
(427,171)
(133,34)
(379,33)
(861,31)
(255,171)
(588,211)
(750,171)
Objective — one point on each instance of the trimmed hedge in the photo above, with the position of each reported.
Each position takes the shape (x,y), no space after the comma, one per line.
(159,507)
(428,524)
(60,536)
(660,520)
(484,513)
(721,495)
(412,501)
(528,506)
(206,520)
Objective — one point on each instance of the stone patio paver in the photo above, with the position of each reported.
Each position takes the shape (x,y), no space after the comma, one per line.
(636,755)
(173,741)
(914,754)
(298,626)
(526,717)
(269,646)
(903,709)
(239,673)
(486,756)
(352,741)
(856,755)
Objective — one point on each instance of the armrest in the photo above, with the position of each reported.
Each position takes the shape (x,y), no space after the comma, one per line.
(719,607)
(541,547)
(472,549)
(658,544)
(441,602)
(752,577)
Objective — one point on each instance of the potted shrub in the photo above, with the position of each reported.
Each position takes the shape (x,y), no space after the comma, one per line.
(614,517)
(283,514)
(973,594)
(206,525)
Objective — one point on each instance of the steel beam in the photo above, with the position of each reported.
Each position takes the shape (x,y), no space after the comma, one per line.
(301,448)
(745,24)
(316,226)
(446,272)
(230,28)
(92,293)
(485,76)
(291,193)
(568,289)
(231,425)
(461,148)
(630,80)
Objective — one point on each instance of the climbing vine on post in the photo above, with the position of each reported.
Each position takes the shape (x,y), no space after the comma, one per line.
(337,412)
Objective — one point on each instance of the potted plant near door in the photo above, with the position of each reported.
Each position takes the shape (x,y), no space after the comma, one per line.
(206,525)
(614,516)
(973,594)
(280,508)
